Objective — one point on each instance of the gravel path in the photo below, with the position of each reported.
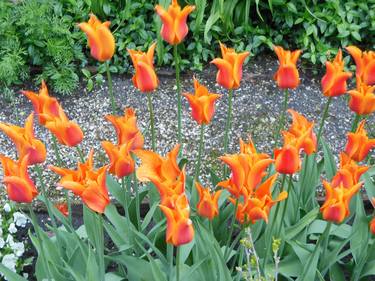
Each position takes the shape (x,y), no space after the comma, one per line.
(256,108)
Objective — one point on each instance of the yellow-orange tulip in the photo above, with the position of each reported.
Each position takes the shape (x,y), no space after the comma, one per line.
(145,78)
(230,67)
(202,103)
(287,76)
(208,203)
(362,100)
(334,81)
(19,186)
(100,39)
(127,129)
(174,28)
(336,205)
(365,62)
(359,145)
(25,141)
(121,161)
(87,183)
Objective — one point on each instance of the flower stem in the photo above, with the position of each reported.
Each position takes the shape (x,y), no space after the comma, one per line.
(324,117)
(178,254)
(281,124)
(355,122)
(228,126)
(80,154)
(285,206)
(125,186)
(170,259)
(137,203)
(178,85)
(325,237)
(231,229)
(150,109)
(201,145)
(110,89)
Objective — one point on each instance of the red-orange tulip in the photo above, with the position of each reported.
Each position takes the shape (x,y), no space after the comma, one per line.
(359,145)
(63,208)
(145,78)
(19,186)
(25,141)
(334,81)
(349,172)
(179,226)
(287,160)
(362,100)
(174,28)
(127,129)
(208,203)
(202,103)
(100,39)
(365,62)
(87,183)
(248,169)
(336,205)
(258,205)
(67,132)
(230,67)
(301,127)
(121,161)
(287,76)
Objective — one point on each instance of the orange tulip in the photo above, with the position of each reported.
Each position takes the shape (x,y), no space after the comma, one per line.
(230,67)
(248,169)
(287,160)
(122,163)
(19,186)
(174,28)
(287,76)
(63,208)
(67,132)
(258,205)
(25,141)
(365,62)
(100,39)
(127,129)
(208,203)
(349,172)
(179,226)
(87,183)
(359,145)
(299,128)
(145,78)
(334,81)
(362,100)
(202,103)
(336,205)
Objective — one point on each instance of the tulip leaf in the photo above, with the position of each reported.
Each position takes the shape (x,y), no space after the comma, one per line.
(294,230)
(10,275)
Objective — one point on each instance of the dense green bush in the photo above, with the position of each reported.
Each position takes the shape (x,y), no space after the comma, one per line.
(44,33)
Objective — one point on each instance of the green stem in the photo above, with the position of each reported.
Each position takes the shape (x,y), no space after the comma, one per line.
(137,202)
(300,190)
(285,206)
(326,238)
(125,186)
(178,254)
(153,140)
(228,126)
(324,117)
(110,89)
(34,221)
(281,124)
(355,122)
(80,154)
(170,259)
(178,85)
(201,144)
(100,246)
(231,229)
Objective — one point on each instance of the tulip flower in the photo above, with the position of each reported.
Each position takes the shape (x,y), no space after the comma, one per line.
(202,103)
(336,205)
(208,203)
(349,172)
(230,67)
(174,28)
(100,39)
(334,81)
(359,145)
(365,62)
(299,128)
(287,160)
(145,78)
(122,163)
(179,226)
(25,141)
(87,183)
(362,100)
(127,129)
(258,205)
(19,186)
(67,132)
(287,76)
(248,169)
(63,208)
